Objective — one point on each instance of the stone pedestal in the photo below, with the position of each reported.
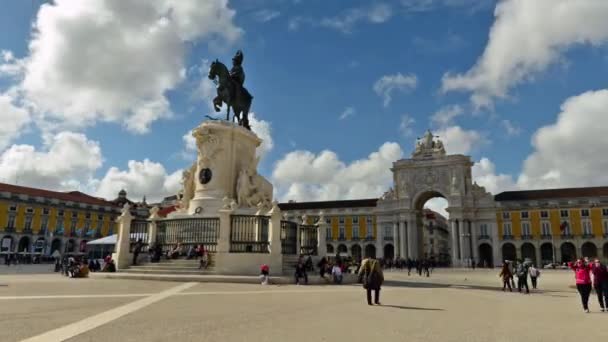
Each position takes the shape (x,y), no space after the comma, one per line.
(123,257)
(225,152)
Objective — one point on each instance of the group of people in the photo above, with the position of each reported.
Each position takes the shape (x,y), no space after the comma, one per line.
(522,270)
(193,252)
(591,274)
(75,267)
(421,266)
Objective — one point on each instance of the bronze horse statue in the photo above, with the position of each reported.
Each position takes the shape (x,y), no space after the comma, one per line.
(231,93)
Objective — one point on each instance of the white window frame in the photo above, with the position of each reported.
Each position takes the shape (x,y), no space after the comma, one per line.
(388,231)
(369,221)
(13,208)
(545,212)
(355,219)
(545,227)
(605,212)
(44,223)
(587,227)
(526,216)
(328,232)
(507,229)
(11,221)
(341,220)
(370,232)
(583,212)
(342,233)
(506,215)
(356,232)
(28,222)
(568,230)
(562,211)
(328,220)
(525,229)
(605,226)
(29,210)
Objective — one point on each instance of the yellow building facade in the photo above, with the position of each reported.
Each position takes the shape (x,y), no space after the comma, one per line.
(40,222)
(557,225)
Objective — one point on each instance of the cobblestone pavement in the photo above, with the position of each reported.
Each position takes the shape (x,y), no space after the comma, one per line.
(451,305)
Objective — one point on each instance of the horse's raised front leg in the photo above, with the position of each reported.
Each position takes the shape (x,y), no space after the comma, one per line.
(228,113)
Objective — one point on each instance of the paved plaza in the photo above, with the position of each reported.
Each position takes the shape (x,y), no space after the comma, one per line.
(451,305)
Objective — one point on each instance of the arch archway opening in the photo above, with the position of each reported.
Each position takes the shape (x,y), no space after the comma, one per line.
(509,252)
(24,245)
(370,251)
(528,252)
(485,256)
(568,252)
(6,244)
(589,250)
(330,249)
(434,238)
(546,253)
(355,252)
(389,252)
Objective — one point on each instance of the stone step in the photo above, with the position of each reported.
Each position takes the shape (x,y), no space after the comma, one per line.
(167,271)
(164,267)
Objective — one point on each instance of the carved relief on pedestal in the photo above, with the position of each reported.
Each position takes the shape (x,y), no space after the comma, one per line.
(188,187)
(208,146)
(252,189)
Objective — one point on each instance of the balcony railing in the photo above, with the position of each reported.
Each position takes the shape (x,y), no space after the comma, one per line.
(9,229)
(328,238)
(355,238)
(341,238)
(567,236)
(369,238)
(27,231)
(483,237)
(546,236)
(588,236)
(507,237)
(388,238)
(526,237)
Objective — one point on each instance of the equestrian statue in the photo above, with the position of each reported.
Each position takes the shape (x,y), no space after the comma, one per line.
(230,89)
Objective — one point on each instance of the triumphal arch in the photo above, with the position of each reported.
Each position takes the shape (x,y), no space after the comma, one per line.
(429,173)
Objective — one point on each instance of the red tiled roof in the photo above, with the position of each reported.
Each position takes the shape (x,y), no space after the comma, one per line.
(599,191)
(72,196)
(370,202)
(163,212)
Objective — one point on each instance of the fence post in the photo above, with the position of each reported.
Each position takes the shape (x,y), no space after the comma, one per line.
(123,242)
(274,235)
(153,226)
(223,241)
(321,233)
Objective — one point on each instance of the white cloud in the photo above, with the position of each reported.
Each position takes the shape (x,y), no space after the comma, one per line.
(345,22)
(406,125)
(348,112)
(527,37)
(571,152)
(446,115)
(66,161)
(460,141)
(263,130)
(388,83)
(143,178)
(439,205)
(511,128)
(14,120)
(484,173)
(305,176)
(9,65)
(266,15)
(115,60)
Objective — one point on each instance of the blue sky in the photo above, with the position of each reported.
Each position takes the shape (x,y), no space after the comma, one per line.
(503,70)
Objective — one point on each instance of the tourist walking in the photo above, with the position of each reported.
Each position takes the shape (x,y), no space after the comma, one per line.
(522,276)
(301,273)
(410,264)
(506,275)
(322,267)
(600,283)
(264,274)
(510,263)
(372,279)
(336,273)
(136,250)
(582,274)
(534,274)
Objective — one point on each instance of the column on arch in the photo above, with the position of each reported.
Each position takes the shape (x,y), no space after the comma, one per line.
(403,232)
(379,240)
(455,253)
(474,225)
(396,249)
(412,239)
(496,248)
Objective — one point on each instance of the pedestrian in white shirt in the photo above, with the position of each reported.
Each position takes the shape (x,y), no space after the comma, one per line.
(336,273)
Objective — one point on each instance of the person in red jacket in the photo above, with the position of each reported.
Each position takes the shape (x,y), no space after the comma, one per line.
(600,283)
(582,274)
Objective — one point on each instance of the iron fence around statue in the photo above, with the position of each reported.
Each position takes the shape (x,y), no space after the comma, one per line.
(249,234)
(289,237)
(139,231)
(308,239)
(188,232)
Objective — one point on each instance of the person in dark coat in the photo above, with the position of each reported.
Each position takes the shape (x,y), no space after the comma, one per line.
(322,267)
(506,276)
(372,275)
(301,273)
(522,277)
(136,250)
(600,283)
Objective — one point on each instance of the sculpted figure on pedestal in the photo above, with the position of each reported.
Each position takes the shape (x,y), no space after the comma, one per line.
(187,193)
(251,188)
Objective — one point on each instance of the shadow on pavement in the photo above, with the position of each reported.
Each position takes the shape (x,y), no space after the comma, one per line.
(412,284)
(410,308)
